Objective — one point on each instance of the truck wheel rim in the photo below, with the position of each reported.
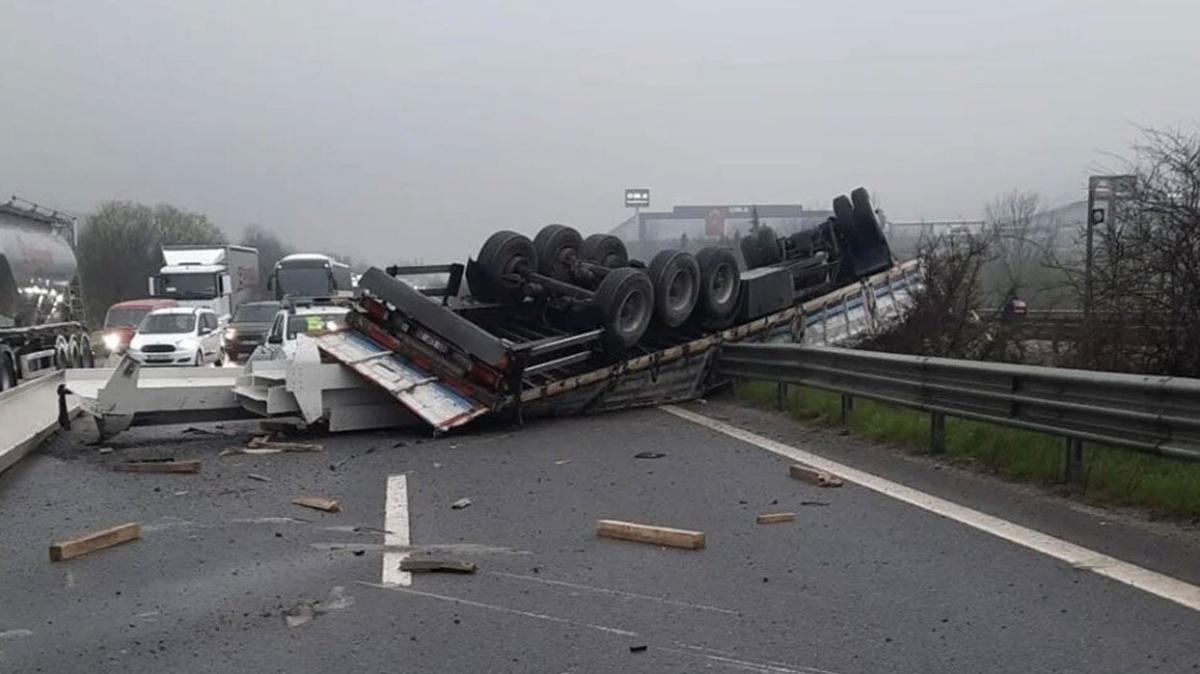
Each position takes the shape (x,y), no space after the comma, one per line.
(633,313)
(680,291)
(720,287)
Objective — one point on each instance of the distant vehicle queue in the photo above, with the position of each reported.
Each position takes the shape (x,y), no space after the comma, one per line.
(202,307)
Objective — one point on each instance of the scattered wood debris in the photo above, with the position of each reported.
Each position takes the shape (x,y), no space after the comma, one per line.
(649,533)
(813,476)
(158,466)
(265,442)
(329,505)
(100,540)
(776,518)
(461,503)
(436,565)
(256,476)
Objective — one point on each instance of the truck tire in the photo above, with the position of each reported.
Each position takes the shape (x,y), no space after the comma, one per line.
(843,215)
(8,371)
(759,248)
(720,280)
(89,356)
(676,278)
(605,250)
(873,253)
(557,247)
(62,353)
(626,300)
(505,257)
(74,354)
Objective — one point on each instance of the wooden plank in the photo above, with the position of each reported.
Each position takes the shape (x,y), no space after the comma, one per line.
(649,533)
(190,466)
(813,476)
(100,540)
(776,518)
(329,505)
(434,565)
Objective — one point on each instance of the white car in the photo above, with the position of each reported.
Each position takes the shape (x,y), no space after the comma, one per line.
(300,320)
(178,336)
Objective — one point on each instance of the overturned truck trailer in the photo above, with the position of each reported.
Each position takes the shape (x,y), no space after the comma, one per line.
(562,325)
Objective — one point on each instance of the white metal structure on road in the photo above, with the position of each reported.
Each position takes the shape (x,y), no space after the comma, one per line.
(28,414)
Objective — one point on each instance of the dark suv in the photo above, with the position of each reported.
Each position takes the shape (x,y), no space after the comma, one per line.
(249,328)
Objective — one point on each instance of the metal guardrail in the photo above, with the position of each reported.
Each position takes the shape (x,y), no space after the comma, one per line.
(1158,415)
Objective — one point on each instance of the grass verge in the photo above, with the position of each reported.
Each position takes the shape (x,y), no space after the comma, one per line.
(1168,487)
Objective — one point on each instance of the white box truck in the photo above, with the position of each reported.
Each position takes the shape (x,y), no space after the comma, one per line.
(218,277)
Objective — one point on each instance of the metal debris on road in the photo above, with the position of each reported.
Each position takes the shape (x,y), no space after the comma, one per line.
(813,503)
(329,505)
(158,466)
(649,455)
(100,540)
(461,503)
(435,565)
(256,476)
(640,648)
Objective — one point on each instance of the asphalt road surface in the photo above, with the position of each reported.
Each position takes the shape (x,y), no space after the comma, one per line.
(859,582)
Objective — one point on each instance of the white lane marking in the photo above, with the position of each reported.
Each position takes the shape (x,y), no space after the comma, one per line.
(395,523)
(745,665)
(504,609)
(605,590)
(1178,591)
(764,664)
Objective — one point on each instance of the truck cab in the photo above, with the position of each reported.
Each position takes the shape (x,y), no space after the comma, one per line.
(218,278)
(310,275)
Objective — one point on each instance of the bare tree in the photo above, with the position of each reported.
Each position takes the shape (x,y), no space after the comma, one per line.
(270,248)
(1017,251)
(1145,299)
(945,318)
(120,246)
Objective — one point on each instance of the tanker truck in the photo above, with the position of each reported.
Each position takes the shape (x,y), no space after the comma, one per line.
(41,321)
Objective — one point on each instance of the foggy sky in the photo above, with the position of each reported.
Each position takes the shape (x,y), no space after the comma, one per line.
(390,130)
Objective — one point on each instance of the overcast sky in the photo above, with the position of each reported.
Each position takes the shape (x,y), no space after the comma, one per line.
(390,129)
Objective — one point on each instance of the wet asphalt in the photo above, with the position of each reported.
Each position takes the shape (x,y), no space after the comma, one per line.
(857,583)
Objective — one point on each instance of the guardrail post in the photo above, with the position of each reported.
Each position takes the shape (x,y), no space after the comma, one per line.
(1074,463)
(937,433)
(847,407)
(781,396)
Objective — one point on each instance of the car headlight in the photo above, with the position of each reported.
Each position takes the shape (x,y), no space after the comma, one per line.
(230,333)
(187,343)
(111,341)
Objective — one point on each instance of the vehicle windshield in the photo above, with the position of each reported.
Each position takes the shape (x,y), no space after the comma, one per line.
(122,317)
(312,324)
(255,313)
(186,286)
(167,324)
(303,282)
